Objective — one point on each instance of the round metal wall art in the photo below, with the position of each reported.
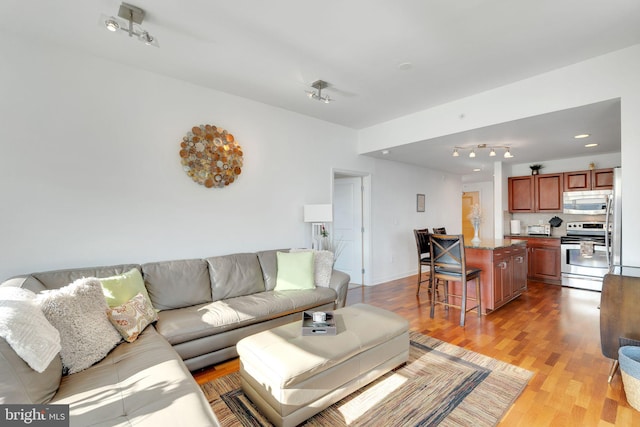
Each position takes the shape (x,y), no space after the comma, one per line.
(211,156)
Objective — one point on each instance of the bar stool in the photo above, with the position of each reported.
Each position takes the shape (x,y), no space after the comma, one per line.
(424,255)
(448,263)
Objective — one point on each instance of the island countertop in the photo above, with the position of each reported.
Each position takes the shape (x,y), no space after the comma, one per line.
(492,244)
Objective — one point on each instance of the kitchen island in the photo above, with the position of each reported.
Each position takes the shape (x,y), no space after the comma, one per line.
(504,271)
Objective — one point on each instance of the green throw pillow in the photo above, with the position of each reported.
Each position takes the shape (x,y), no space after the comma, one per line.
(295,271)
(120,289)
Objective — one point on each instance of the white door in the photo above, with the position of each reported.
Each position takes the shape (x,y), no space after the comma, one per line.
(347,226)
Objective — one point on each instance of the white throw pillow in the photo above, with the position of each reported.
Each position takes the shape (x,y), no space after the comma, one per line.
(323,265)
(79,312)
(26,329)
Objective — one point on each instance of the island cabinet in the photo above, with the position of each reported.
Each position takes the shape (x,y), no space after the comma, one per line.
(504,270)
(543,254)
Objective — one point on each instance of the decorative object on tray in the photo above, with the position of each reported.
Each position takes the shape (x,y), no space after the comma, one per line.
(476,218)
(535,169)
(211,156)
(318,323)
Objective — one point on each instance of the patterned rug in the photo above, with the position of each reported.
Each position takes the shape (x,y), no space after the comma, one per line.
(440,384)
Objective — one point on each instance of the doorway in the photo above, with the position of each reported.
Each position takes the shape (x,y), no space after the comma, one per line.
(350,224)
(469,198)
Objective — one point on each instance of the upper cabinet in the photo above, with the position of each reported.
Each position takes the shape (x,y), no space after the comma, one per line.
(521,194)
(548,192)
(598,179)
(536,193)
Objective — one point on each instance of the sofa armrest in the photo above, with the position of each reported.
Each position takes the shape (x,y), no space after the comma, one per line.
(340,283)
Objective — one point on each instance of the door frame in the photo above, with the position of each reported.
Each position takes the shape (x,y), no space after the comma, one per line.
(366,216)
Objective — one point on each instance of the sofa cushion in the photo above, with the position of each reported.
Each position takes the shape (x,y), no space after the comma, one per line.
(79,312)
(132,317)
(191,323)
(138,383)
(269,266)
(295,271)
(121,288)
(235,275)
(176,284)
(58,278)
(21,384)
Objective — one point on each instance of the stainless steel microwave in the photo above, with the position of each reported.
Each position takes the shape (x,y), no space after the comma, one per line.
(586,202)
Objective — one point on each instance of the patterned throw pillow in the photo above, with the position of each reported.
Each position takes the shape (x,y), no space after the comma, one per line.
(132,317)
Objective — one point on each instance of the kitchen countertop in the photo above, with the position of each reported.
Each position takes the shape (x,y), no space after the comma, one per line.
(494,243)
(516,236)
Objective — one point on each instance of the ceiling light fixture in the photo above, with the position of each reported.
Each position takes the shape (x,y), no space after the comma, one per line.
(492,148)
(593,144)
(130,24)
(319,85)
(582,135)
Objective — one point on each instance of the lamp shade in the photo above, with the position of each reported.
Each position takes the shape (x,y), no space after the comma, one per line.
(318,213)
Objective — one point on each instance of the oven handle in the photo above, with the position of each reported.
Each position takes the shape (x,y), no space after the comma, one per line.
(607,243)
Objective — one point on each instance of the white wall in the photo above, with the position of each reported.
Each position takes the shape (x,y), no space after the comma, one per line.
(610,76)
(395,214)
(90,172)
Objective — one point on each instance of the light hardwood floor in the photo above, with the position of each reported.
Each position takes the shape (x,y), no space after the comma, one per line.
(550,330)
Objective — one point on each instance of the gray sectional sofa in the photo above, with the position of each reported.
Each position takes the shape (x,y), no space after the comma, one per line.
(205,307)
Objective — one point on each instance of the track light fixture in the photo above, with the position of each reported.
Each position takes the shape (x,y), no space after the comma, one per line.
(129,19)
(492,152)
(319,85)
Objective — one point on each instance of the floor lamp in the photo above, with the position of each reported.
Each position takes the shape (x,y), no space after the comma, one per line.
(317,215)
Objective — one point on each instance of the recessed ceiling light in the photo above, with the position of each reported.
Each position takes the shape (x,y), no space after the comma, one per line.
(582,135)
(591,145)
(385,152)
(477,170)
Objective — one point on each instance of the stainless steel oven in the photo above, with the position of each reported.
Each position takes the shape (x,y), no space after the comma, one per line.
(584,255)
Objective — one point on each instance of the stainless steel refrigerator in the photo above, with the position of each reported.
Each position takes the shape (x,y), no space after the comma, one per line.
(614,223)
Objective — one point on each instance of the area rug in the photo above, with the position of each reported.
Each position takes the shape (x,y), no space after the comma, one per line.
(441,384)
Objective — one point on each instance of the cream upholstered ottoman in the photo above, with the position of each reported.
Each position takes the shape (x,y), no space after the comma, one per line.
(291,377)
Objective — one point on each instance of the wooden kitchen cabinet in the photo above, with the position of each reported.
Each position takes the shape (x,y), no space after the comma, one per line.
(536,193)
(548,192)
(544,259)
(521,193)
(598,179)
(504,270)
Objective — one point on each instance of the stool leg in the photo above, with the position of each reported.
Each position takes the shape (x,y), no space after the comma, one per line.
(479,295)
(446,295)
(433,298)
(463,304)
(612,371)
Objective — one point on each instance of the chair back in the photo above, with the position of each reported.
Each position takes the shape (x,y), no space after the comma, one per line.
(447,252)
(439,230)
(422,242)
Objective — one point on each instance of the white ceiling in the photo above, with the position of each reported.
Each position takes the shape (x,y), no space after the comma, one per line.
(271,51)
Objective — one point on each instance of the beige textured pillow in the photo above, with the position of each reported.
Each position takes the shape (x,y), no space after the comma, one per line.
(132,317)
(79,312)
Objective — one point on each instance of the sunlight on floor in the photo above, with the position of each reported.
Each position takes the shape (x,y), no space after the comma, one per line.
(355,408)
